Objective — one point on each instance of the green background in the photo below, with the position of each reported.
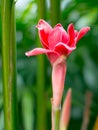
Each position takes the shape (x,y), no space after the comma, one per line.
(34,73)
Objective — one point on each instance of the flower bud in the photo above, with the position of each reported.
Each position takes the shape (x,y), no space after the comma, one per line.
(65,114)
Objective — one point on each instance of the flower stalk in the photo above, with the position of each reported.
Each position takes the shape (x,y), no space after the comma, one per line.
(55,115)
(56,118)
(9,65)
(58,78)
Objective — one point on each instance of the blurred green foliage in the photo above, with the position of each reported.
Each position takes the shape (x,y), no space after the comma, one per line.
(82,64)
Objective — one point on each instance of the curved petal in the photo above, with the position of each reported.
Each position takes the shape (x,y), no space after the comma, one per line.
(58,25)
(37,51)
(53,56)
(65,36)
(81,33)
(71,33)
(76,33)
(44,29)
(55,37)
(63,49)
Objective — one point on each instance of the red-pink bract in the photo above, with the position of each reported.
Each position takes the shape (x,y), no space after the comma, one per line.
(56,41)
(65,114)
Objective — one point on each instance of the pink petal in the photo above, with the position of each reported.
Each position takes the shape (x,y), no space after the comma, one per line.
(53,56)
(44,30)
(37,51)
(65,36)
(55,37)
(71,34)
(63,49)
(81,33)
(76,33)
(58,25)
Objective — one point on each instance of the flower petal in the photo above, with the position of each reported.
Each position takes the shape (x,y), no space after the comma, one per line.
(37,51)
(44,30)
(81,33)
(71,34)
(76,33)
(63,49)
(65,36)
(55,37)
(58,25)
(53,56)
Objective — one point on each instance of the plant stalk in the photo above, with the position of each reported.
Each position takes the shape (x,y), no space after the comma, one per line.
(9,65)
(41,99)
(56,119)
(55,11)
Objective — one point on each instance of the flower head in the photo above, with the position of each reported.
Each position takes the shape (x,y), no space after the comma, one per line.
(57,41)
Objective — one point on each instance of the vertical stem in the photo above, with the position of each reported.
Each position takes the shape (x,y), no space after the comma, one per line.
(56,119)
(41,9)
(55,115)
(55,11)
(41,100)
(9,65)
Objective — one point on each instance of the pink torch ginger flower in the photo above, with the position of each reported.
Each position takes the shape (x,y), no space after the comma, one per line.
(57,45)
(56,41)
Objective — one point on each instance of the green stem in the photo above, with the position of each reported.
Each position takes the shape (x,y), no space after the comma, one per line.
(41,9)
(56,119)
(64,128)
(41,99)
(9,65)
(55,11)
